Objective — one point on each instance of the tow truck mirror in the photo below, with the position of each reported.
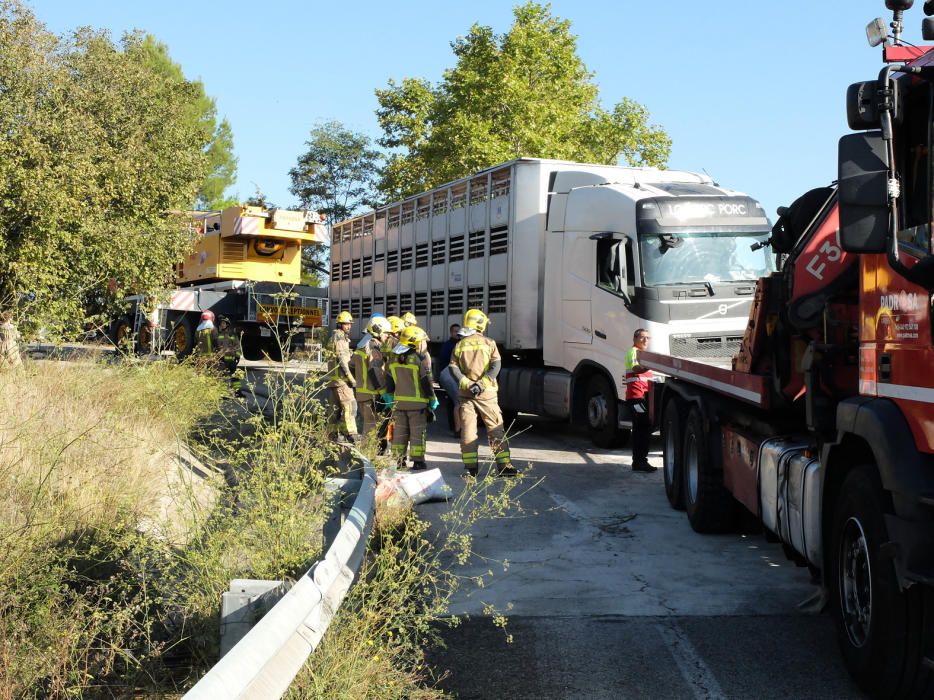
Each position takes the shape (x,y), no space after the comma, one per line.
(862,105)
(863,171)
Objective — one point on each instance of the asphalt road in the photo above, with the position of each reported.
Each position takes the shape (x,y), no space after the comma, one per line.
(610,594)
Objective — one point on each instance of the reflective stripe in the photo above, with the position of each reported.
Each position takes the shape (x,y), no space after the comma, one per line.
(363,369)
(410,373)
(469,459)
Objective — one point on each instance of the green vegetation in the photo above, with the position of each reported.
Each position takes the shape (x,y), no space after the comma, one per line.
(99,142)
(116,543)
(525,93)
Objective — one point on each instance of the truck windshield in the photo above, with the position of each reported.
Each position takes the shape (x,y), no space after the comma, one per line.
(708,256)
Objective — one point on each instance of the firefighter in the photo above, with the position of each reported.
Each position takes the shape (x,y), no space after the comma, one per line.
(207,343)
(475,364)
(343,407)
(228,346)
(396,326)
(410,391)
(408,319)
(369,373)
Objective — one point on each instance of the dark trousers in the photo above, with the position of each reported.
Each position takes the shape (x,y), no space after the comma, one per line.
(641,430)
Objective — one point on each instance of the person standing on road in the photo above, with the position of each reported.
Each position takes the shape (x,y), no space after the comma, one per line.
(369,373)
(228,346)
(9,341)
(343,407)
(637,385)
(475,364)
(396,326)
(410,391)
(450,387)
(207,343)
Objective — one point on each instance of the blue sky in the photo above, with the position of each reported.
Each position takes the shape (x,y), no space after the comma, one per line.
(751,92)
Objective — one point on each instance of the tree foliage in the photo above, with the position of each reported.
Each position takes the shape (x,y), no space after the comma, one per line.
(337,173)
(202,111)
(95,147)
(525,93)
(335,176)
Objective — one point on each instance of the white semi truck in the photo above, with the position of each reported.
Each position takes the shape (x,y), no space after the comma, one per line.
(568,260)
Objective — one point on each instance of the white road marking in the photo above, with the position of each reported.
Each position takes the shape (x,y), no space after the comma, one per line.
(696,673)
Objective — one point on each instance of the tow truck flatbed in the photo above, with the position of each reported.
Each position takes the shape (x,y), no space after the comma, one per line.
(750,388)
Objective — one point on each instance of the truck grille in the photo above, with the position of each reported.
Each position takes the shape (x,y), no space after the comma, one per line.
(701,345)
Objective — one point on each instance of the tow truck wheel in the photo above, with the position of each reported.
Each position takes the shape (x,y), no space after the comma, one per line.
(882,630)
(672,450)
(709,505)
(603,414)
(183,338)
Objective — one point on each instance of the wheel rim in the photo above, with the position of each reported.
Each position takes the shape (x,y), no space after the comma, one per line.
(181,339)
(855,579)
(668,456)
(597,411)
(692,466)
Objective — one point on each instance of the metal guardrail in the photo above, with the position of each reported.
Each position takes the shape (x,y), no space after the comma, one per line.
(265,662)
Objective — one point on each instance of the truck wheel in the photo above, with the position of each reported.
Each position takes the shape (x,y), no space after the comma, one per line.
(183,338)
(708,504)
(882,630)
(603,414)
(121,331)
(251,347)
(672,451)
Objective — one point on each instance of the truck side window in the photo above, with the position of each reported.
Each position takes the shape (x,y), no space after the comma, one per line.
(614,260)
(913,164)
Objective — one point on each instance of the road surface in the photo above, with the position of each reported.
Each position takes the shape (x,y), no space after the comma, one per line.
(612,594)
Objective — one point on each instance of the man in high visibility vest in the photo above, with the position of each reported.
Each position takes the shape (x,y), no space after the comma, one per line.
(396,326)
(368,372)
(410,390)
(343,413)
(228,345)
(205,334)
(637,386)
(475,364)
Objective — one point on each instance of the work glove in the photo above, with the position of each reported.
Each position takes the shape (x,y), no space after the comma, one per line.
(476,389)
(388,400)
(430,415)
(433,404)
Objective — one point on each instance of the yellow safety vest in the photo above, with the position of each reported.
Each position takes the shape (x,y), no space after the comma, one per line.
(408,393)
(361,370)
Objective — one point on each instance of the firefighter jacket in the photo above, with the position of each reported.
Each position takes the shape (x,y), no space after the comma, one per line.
(339,373)
(476,360)
(228,344)
(410,381)
(367,366)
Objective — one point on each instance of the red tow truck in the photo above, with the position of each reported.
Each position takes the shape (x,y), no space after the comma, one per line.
(823,426)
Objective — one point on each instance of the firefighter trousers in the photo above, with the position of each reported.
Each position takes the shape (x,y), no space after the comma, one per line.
(409,426)
(342,415)
(370,414)
(486,407)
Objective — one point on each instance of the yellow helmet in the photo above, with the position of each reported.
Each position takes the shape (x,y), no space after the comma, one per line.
(378,325)
(396,324)
(344,317)
(408,318)
(476,319)
(412,337)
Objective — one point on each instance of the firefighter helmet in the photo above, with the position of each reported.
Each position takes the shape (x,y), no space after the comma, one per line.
(378,325)
(411,338)
(344,317)
(207,315)
(396,325)
(476,319)
(408,318)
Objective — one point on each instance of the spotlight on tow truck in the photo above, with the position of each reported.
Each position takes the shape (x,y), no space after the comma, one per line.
(899,5)
(876,32)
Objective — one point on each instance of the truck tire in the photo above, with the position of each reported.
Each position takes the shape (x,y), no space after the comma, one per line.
(603,414)
(708,504)
(183,337)
(251,347)
(882,630)
(672,451)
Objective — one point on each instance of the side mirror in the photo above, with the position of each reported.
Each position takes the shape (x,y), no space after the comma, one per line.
(862,105)
(863,170)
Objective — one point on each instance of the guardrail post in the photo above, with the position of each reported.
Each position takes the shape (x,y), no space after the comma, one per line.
(244,604)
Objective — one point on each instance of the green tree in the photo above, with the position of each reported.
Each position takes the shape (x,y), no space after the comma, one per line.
(202,111)
(96,148)
(525,93)
(335,176)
